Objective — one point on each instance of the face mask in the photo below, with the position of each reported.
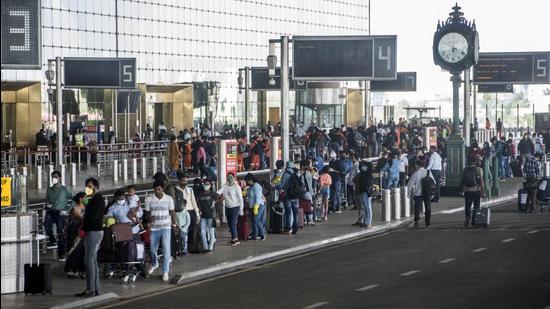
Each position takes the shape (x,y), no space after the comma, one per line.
(120,202)
(364,169)
(230,180)
(206,187)
(55,180)
(89,191)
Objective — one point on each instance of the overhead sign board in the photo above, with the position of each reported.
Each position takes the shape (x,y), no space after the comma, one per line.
(513,68)
(100,72)
(342,58)
(406,81)
(495,88)
(260,81)
(21,28)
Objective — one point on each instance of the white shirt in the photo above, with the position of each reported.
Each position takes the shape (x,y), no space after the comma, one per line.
(435,162)
(415,183)
(404,163)
(160,211)
(352,173)
(232,195)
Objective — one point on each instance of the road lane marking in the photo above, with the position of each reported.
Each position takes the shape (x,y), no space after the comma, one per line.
(533,232)
(479,249)
(368,287)
(412,272)
(316,305)
(445,261)
(508,240)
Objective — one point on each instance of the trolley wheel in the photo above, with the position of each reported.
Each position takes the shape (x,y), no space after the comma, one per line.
(125,279)
(133,278)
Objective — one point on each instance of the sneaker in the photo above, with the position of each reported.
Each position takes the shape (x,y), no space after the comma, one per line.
(369,226)
(152,269)
(356,223)
(262,237)
(312,223)
(338,211)
(236,242)
(62,259)
(51,245)
(165,277)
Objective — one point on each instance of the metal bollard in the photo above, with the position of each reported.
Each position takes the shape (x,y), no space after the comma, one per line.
(546,169)
(386,205)
(405,202)
(396,199)
(73,174)
(98,170)
(50,171)
(155,165)
(24,171)
(143,168)
(134,169)
(163,164)
(115,170)
(39,176)
(63,167)
(125,169)
(12,171)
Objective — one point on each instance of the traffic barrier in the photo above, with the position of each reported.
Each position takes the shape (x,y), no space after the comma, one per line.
(39,176)
(396,201)
(154,165)
(405,202)
(125,169)
(386,205)
(134,169)
(115,170)
(73,174)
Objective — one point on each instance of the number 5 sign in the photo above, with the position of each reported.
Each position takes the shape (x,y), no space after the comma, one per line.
(20,34)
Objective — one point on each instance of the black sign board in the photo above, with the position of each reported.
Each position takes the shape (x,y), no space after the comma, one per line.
(100,72)
(406,81)
(260,79)
(338,58)
(21,28)
(495,88)
(513,68)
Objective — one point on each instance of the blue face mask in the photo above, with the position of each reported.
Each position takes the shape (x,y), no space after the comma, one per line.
(206,187)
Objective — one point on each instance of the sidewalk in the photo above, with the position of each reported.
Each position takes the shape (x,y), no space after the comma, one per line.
(226,259)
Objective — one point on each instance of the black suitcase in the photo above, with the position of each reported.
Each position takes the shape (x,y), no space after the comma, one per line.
(522,199)
(127,251)
(176,245)
(516,168)
(38,277)
(275,220)
(482,217)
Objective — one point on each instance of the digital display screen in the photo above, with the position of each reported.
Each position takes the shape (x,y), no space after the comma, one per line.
(100,72)
(21,34)
(513,68)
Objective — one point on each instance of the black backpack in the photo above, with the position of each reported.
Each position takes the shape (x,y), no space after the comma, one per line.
(295,187)
(428,184)
(179,201)
(470,177)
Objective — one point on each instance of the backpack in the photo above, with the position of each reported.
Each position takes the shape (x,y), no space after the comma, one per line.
(179,201)
(470,177)
(428,184)
(295,187)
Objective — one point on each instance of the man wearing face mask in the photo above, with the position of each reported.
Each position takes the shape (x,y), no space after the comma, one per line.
(190,211)
(120,209)
(92,224)
(57,203)
(233,198)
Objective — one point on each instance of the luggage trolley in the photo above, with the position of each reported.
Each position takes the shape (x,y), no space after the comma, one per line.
(119,254)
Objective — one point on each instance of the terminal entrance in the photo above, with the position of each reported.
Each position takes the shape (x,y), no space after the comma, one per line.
(21,112)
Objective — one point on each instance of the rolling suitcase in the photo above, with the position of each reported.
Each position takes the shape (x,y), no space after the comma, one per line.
(243,226)
(38,277)
(482,217)
(522,200)
(300,218)
(196,245)
(275,220)
(122,232)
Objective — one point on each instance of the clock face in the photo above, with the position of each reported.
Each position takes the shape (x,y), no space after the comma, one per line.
(453,47)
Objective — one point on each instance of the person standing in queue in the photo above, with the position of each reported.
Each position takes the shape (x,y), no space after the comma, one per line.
(256,203)
(92,225)
(232,195)
(363,188)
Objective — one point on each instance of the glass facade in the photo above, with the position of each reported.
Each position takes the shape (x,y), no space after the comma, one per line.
(178,41)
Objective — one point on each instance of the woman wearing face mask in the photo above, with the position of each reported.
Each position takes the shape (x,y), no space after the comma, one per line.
(363,187)
(206,201)
(93,227)
(232,195)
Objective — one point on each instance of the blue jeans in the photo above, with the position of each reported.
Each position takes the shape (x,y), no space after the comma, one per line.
(291,215)
(393,182)
(91,246)
(156,236)
(54,216)
(312,152)
(262,160)
(437,176)
(336,196)
(232,214)
(258,222)
(183,236)
(503,167)
(367,208)
(208,233)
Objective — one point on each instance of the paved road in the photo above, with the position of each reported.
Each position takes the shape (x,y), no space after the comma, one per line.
(445,266)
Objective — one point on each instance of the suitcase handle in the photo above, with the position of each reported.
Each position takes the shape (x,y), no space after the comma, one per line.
(34,233)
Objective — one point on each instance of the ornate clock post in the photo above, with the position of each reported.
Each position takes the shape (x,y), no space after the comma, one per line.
(455,49)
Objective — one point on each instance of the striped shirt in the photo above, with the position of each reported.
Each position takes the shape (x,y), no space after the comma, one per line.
(160,211)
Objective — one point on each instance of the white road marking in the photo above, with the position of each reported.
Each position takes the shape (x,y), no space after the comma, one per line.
(368,287)
(446,261)
(533,232)
(508,240)
(412,272)
(479,249)
(316,305)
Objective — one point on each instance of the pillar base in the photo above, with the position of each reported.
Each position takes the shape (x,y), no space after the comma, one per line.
(456,160)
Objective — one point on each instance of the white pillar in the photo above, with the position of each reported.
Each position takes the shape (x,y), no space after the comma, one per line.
(115,170)
(134,168)
(125,169)
(386,205)
(396,198)
(73,174)
(39,176)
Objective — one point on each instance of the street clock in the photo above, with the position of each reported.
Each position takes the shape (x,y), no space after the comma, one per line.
(456,43)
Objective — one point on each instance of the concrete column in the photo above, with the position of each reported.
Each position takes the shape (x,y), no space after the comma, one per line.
(396,199)
(73,174)
(284,99)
